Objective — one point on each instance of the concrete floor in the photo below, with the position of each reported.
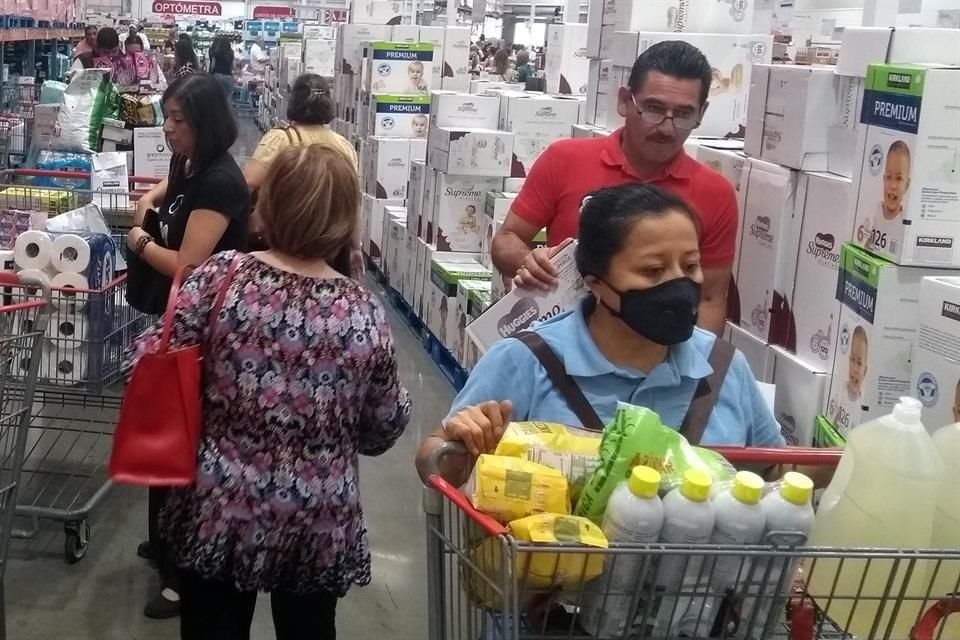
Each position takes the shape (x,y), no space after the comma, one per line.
(102,596)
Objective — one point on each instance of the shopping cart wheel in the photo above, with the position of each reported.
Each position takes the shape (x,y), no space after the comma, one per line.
(76,541)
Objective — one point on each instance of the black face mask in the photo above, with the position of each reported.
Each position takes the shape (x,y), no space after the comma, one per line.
(665,314)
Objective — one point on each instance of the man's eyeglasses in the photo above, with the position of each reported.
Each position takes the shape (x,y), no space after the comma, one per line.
(657,115)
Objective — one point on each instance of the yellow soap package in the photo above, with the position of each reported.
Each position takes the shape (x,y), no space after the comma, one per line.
(512,488)
(536,572)
(574,452)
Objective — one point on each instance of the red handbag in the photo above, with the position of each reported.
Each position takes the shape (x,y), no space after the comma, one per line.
(155,442)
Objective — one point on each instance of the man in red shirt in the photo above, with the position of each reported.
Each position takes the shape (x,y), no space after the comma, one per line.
(664,101)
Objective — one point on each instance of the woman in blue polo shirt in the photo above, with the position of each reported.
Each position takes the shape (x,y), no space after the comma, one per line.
(633,340)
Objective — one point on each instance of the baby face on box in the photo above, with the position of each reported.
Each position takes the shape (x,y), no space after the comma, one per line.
(889,163)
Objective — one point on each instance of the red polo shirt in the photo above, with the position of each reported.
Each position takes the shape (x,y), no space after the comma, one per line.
(570,169)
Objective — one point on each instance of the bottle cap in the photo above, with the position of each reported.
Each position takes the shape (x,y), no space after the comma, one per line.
(747,487)
(796,488)
(907,410)
(696,485)
(644,482)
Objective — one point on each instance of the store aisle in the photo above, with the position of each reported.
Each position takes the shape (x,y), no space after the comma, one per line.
(102,597)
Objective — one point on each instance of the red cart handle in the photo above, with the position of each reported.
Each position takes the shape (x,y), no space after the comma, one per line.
(453,494)
(928,624)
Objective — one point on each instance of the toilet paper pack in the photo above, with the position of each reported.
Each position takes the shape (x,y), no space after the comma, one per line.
(476,152)
(519,308)
(936,356)
(400,68)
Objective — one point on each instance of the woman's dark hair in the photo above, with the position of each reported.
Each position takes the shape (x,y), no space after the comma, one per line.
(135,39)
(209,114)
(501,61)
(673,58)
(608,215)
(183,52)
(221,53)
(310,101)
(107,39)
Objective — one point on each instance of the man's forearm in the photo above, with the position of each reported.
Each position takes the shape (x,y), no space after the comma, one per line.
(508,252)
(712,315)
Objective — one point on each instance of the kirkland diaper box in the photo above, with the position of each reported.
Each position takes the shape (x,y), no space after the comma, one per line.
(826,207)
(801,392)
(908,197)
(732,58)
(463,110)
(787,119)
(446,270)
(879,316)
(768,252)
(475,152)
(458,210)
(936,354)
(393,116)
(519,308)
(400,68)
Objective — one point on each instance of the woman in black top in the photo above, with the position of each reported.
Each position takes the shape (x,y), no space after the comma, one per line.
(202,208)
(184,57)
(221,62)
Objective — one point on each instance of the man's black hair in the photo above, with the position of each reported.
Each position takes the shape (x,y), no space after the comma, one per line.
(107,39)
(673,58)
(209,114)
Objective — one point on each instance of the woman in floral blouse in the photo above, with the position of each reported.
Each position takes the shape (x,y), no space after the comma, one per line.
(300,378)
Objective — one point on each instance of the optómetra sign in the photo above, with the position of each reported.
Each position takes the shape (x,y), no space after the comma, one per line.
(187,8)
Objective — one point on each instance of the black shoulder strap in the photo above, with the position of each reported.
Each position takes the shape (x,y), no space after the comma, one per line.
(561,380)
(707,393)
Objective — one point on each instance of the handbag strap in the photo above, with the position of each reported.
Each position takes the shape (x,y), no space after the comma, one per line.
(288,130)
(562,381)
(707,393)
(174,296)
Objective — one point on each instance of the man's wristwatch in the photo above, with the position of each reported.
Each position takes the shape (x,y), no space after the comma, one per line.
(142,243)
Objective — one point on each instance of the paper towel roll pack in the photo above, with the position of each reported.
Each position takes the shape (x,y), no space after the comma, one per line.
(89,254)
(32,250)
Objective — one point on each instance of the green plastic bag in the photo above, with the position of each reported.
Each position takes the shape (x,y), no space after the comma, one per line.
(638,437)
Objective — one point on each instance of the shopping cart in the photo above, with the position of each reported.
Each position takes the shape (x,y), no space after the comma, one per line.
(484,584)
(19,97)
(80,372)
(23,324)
(15,137)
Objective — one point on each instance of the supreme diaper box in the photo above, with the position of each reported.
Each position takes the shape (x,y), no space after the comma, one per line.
(843,134)
(409,266)
(566,66)
(350,44)
(402,68)
(394,232)
(519,308)
(458,210)
(434,36)
(473,298)
(319,57)
(908,197)
(756,351)
(388,169)
(391,116)
(496,206)
(768,252)
(456,59)
(535,121)
(385,12)
(421,271)
(801,392)
(463,110)
(727,160)
(373,211)
(602,100)
(446,270)
(787,115)
(732,58)
(936,355)
(826,205)
(698,16)
(415,186)
(879,316)
(475,152)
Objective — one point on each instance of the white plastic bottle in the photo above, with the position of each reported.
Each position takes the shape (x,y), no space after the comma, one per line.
(634,515)
(946,522)
(688,518)
(883,495)
(789,512)
(739,521)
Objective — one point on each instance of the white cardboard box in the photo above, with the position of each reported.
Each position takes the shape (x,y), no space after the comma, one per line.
(393,116)
(519,308)
(758,354)
(594,28)
(409,266)
(879,317)
(385,12)
(395,242)
(566,66)
(731,56)
(476,152)
(496,206)
(473,297)
(861,47)
(405,33)
(421,276)
(458,203)
(908,200)
(843,153)
(350,44)
(936,357)
(319,57)
(801,392)
(375,208)
(768,251)
(446,270)
(428,221)
(826,205)
(732,165)
(415,186)
(698,16)
(456,59)
(389,167)
(785,118)
(463,110)
(435,36)
(151,157)
(536,122)
(400,68)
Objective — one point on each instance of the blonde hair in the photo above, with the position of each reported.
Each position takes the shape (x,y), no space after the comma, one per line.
(309,202)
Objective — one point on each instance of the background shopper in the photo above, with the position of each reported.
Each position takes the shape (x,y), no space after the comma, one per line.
(201,208)
(184,57)
(501,67)
(107,45)
(221,62)
(300,378)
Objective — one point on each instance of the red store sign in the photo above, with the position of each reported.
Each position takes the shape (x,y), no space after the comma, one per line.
(266,11)
(187,8)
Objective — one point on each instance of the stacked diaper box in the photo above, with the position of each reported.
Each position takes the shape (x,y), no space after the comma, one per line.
(79,267)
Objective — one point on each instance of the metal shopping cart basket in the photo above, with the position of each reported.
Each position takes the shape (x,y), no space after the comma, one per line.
(23,323)
(79,387)
(484,584)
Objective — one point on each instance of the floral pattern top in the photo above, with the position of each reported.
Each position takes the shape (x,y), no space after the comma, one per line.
(299,378)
